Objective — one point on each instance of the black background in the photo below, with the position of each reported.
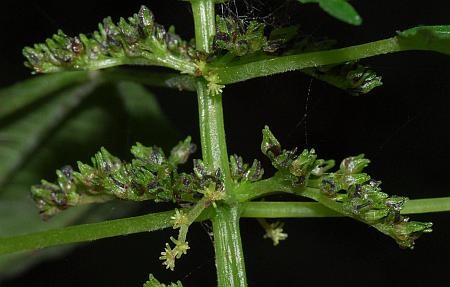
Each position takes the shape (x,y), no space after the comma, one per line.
(402,127)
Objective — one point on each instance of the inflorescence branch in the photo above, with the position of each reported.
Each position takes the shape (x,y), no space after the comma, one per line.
(348,191)
(140,41)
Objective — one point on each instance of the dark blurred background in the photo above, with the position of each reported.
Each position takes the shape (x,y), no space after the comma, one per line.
(402,127)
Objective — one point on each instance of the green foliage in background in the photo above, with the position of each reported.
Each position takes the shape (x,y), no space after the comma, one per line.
(87,84)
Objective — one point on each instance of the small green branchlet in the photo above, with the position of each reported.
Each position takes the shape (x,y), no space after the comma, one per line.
(182,220)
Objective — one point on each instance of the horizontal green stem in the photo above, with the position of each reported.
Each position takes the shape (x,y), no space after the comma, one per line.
(426,205)
(86,232)
(249,191)
(147,59)
(106,63)
(157,221)
(264,209)
(266,67)
(276,184)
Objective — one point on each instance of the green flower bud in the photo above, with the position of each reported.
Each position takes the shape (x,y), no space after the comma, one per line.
(270,145)
(303,164)
(354,164)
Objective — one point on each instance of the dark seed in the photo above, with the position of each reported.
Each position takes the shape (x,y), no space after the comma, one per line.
(67,170)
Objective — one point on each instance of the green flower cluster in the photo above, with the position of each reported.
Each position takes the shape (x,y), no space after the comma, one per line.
(352,77)
(140,40)
(348,191)
(296,168)
(239,39)
(150,176)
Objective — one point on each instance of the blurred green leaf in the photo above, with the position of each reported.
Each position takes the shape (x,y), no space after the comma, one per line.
(154,79)
(116,116)
(433,38)
(21,136)
(339,9)
(24,93)
(18,214)
(146,123)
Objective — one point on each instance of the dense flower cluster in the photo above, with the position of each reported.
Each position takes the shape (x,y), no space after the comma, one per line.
(353,192)
(149,176)
(140,40)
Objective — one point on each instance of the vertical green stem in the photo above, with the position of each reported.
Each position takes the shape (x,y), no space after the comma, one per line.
(227,239)
(212,132)
(228,248)
(205,23)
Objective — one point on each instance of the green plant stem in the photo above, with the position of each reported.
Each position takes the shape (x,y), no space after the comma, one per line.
(212,131)
(157,221)
(276,184)
(426,205)
(145,59)
(204,23)
(264,209)
(86,232)
(228,248)
(227,240)
(192,216)
(249,191)
(266,67)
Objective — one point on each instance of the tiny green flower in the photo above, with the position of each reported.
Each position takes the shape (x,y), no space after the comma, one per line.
(179,219)
(168,256)
(274,231)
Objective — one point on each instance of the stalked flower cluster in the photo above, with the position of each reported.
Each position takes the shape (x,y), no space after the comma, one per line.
(140,40)
(352,77)
(297,168)
(361,197)
(352,192)
(246,41)
(150,176)
(235,36)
